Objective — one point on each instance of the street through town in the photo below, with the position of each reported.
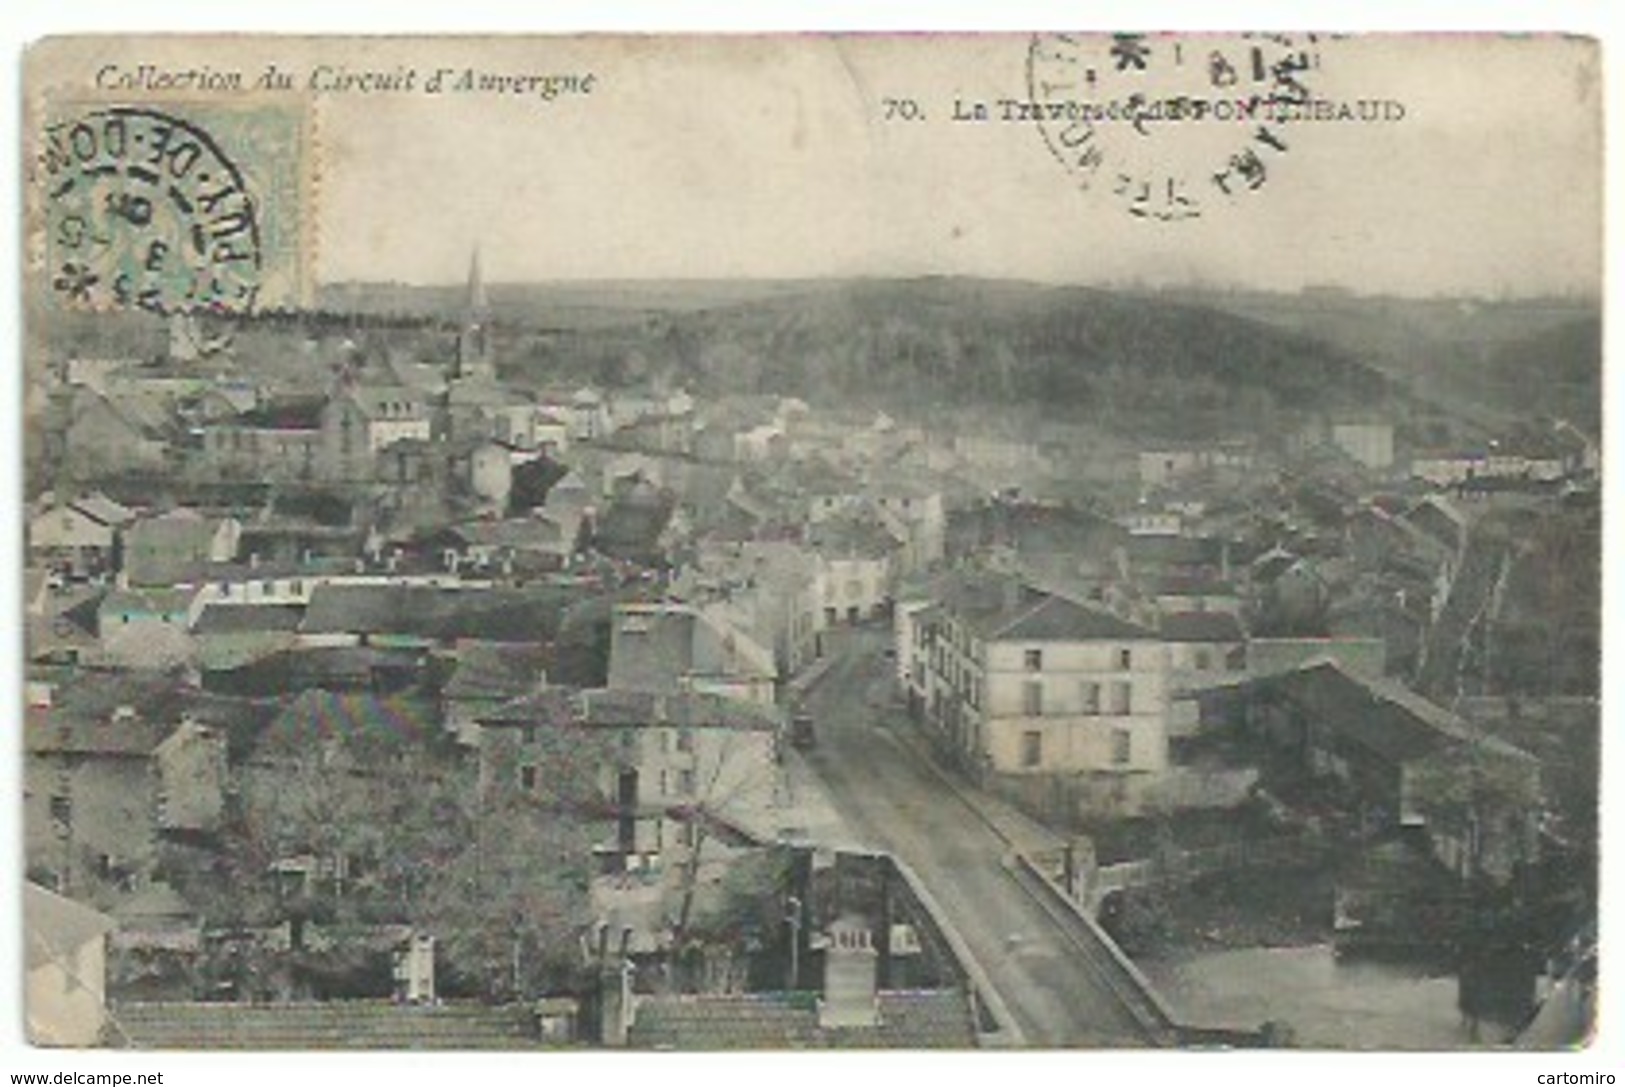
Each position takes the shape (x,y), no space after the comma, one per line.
(893,802)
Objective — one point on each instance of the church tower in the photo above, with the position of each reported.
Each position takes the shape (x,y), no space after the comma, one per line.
(474,342)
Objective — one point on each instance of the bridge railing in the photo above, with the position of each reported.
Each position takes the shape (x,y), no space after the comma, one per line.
(1140,997)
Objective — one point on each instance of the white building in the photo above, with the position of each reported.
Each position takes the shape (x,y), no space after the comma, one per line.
(1022,682)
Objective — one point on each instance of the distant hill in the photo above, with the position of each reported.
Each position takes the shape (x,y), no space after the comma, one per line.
(1475,357)
(1064,352)
(1556,371)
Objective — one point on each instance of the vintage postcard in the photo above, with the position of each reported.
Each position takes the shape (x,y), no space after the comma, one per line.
(1059,540)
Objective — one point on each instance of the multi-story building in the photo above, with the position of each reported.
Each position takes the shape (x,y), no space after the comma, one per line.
(659,769)
(79,538)
(856,565)
(1018,682)
(360,421)
(912,515)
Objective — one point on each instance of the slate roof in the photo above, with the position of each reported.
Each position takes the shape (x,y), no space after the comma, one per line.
(1003,608)
(908,1020)
(81,717)
(248,618)
(55,927)
(332,1025)
(497,670)
(1382,716)
(1201,626)
(431,612)
(315,666)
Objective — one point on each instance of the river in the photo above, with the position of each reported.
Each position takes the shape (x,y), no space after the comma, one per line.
(1329,1004)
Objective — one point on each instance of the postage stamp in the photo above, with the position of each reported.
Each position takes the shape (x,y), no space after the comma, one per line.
(175,206)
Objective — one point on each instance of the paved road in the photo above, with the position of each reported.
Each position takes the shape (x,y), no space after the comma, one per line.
(893,802)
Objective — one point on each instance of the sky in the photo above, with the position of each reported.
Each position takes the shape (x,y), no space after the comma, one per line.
(774,159)
(755,157)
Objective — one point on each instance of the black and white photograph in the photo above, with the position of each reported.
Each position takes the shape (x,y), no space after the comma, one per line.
(829,541)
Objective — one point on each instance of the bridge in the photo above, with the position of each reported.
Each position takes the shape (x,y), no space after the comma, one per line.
(1044,967)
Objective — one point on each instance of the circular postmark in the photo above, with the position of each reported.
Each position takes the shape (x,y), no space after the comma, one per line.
(1171,126)
(144,211)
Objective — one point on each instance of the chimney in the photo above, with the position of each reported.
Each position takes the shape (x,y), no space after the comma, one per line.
(1012,593)
(850,975)
(616,1007)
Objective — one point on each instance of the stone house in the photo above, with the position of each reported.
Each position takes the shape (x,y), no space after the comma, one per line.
(651,767)
(1019,683)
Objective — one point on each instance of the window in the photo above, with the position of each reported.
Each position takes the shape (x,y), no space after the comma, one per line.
(1125,658)
(1122,698)
(1035,660)
(527,778)
(1032,699)
(685,739)
(685,782)
(1032,749)
(527,735)
(1122,747)
(1090,696)
(1204,659)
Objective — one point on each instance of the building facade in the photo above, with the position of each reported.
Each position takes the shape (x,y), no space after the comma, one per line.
(1017,682)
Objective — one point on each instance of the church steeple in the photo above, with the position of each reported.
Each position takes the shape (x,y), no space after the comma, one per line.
(474,342)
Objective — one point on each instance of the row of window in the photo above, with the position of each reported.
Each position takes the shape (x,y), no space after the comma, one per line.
(1034,659)
(1032,748)
(1120,701)
(530,780)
